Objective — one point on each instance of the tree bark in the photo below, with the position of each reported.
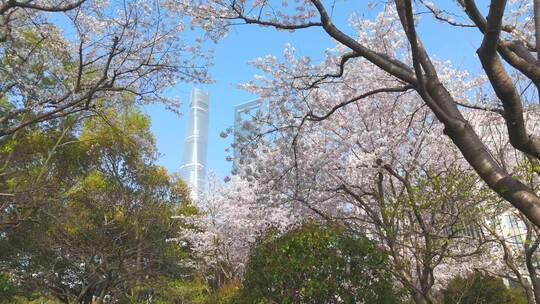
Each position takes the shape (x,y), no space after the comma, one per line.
(421,299)
(536,7)
(457,127)
(535,284)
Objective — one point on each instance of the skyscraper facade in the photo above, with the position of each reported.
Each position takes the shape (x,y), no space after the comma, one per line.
(193,168)
(243,113)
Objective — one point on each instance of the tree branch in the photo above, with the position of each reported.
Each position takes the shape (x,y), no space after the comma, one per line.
(312,117)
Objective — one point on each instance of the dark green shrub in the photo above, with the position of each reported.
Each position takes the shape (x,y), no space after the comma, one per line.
(480,288)
(8,290)
(316,264)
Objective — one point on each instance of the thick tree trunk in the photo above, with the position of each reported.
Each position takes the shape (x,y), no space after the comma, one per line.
(535,285)
(529,292)
(456,127)
(138,261)
(536,7)
(536,290)
(478,156)
(421,299)
(481,160)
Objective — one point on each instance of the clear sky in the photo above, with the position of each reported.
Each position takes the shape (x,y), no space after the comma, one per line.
(247,42)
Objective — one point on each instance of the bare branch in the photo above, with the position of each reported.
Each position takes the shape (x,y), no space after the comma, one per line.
(483,108)
(46,8)
(259,21)
(502,83)
(392,66)
(313,117)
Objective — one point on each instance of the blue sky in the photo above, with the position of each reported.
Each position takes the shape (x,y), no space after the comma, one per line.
(230,68)
(247,42)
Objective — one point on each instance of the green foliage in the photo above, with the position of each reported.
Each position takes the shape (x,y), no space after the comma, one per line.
(164,290)
(37,299)
(10,293)
(8,290)
(91,213)
(229,293)
(316,264)
(479,288)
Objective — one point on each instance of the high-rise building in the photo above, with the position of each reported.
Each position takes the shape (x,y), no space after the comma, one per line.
(193,168)
(243,114)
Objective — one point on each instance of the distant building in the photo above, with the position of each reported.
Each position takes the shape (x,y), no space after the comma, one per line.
(243,114)
(193,168)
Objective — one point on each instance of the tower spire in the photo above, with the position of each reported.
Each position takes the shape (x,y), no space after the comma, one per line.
(193,168)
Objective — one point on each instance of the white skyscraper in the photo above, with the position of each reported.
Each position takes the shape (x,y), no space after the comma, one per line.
(193,168)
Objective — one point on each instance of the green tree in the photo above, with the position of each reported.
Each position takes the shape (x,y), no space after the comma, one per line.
(100,212)
(480,288)
(8,290)
(317,264)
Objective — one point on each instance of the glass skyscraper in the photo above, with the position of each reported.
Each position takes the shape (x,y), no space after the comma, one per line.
(243,113)
(193,168)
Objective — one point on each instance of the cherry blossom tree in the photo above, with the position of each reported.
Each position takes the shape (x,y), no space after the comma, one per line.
(512,234)
(377,161)
(516,241)
(61,57)
(381,166)
(234,219)
(510,36)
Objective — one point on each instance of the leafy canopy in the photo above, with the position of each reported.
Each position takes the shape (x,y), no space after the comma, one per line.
(318,264)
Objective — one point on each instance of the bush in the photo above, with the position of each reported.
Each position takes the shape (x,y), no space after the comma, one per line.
(316,264)
(479,288)
(163,290)
(8,290)
(226,294)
